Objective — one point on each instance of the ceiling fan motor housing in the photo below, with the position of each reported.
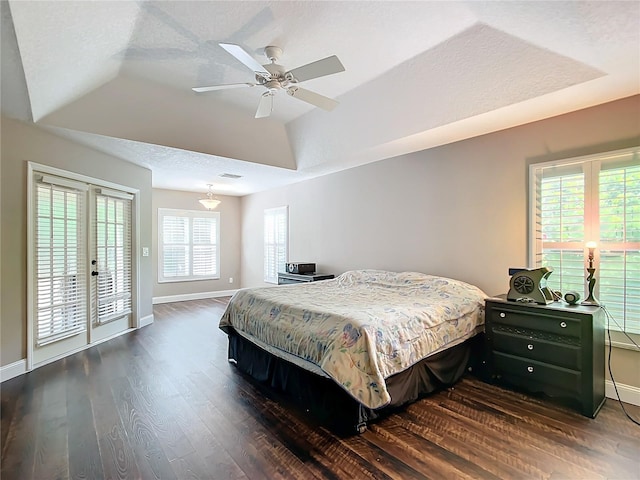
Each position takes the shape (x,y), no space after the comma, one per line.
(277,80)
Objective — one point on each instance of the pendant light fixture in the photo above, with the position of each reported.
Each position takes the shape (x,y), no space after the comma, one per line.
(210,202)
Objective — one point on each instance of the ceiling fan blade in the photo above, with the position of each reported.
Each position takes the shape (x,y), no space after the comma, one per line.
(222,87)
(265,107)
(320,68)
(313,98)
(242,56)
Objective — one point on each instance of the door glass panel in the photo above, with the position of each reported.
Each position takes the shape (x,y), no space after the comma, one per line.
(112,289)
(60,293)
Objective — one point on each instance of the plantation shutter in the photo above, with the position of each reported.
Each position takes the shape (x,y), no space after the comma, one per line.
(112,262)
(60,265)
(619,205)
(189,245)
(561,232)
(205,258)
(175,246)
(591,199)
(535,221)
(276,222)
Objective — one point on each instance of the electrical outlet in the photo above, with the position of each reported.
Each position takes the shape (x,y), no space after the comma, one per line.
(145,251)
(230,279)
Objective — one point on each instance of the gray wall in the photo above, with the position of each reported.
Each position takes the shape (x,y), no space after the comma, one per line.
(458,210)
(23,143)
(229,209)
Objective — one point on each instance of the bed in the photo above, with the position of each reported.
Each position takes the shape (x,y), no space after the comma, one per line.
(351,349)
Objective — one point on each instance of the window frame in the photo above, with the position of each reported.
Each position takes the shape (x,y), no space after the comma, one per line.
(191,215)
(591,166)
(272,276)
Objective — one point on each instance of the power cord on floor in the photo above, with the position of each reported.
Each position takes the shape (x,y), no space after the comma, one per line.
(609,320)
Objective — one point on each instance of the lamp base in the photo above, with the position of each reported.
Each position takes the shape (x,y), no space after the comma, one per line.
(591,300)
(590,303)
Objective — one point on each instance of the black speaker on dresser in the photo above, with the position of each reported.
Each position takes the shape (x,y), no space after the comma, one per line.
(296,267)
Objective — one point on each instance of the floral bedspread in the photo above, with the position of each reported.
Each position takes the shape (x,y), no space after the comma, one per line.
(362,326)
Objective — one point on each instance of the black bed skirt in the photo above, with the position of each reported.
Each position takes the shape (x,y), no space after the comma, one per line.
(331,405)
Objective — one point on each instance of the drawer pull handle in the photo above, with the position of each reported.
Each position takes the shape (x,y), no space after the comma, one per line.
(530,347)
(530,369)
(563,324)
(502,314)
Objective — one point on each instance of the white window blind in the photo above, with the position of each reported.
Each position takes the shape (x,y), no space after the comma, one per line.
(619,214)
(562,202)
(112,229)
(188,245)
(591,199)
(276,226)
(60,270)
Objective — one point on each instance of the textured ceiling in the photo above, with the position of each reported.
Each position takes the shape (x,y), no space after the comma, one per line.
(117,76)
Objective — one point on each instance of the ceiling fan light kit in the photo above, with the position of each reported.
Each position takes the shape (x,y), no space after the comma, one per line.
(275,77)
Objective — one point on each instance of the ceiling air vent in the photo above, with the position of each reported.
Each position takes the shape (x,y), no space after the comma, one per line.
(230,175)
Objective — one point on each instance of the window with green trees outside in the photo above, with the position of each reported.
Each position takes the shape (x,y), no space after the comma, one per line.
(595,198)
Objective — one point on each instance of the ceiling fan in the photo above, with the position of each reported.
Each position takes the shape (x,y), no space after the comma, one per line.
(275,77)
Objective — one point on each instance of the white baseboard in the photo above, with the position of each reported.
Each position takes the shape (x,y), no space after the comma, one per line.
(144,321)
(80,349)
(13,370)
(193,296)
(628,393)
(18,368)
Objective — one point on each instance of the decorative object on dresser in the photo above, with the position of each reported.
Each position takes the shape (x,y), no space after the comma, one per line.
(530,285)
(572,297)
(557,350)
(287,278)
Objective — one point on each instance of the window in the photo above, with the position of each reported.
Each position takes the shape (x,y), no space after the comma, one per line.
(188,245)
(276,225)
(595,198)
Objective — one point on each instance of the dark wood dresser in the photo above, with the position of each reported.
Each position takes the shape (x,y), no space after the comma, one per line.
(556,349)
(287,278)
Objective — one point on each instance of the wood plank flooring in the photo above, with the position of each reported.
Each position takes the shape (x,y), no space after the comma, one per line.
(163,402)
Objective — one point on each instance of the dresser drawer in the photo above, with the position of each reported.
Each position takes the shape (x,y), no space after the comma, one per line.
(524,371)
(567,356)
(556,325)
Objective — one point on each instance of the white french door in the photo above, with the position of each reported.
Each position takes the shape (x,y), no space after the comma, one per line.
(110,262)
(81,264)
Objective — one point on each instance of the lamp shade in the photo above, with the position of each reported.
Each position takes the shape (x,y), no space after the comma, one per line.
(210,202)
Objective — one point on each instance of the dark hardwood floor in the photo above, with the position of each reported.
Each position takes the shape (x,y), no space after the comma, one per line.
(163,402)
